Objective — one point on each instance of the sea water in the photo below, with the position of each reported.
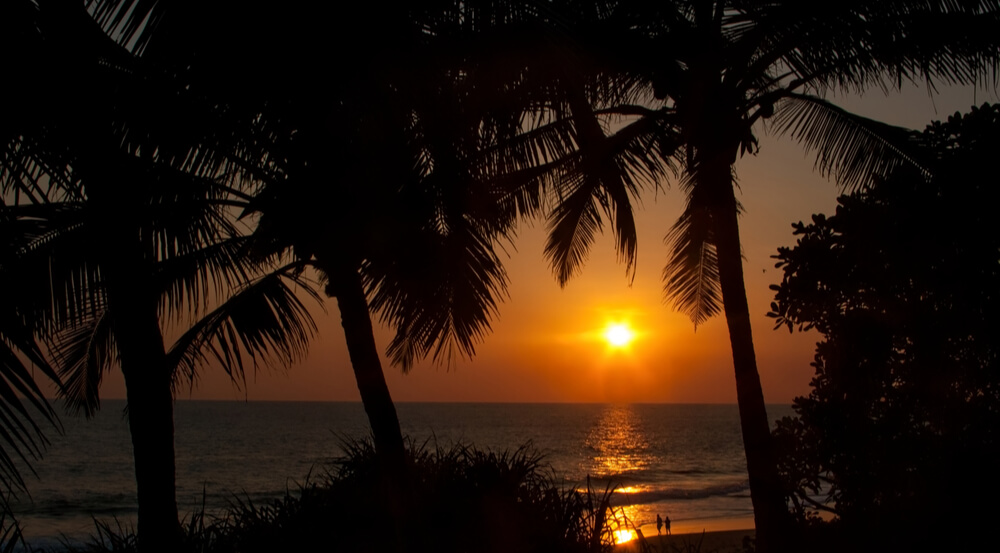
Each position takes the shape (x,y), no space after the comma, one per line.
(684,461)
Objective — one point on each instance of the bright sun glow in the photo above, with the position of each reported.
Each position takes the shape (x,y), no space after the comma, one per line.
(619,335)
(624,535)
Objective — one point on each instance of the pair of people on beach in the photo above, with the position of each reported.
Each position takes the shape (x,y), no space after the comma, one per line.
(661,522)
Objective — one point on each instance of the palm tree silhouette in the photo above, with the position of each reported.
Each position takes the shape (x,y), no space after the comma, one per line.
(22,400)
(125,224)
(369,165)
(691,82)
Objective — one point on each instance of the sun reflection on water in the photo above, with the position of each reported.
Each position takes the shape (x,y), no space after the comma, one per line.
(618,444)
(624,535)
(623,523)
(619,447)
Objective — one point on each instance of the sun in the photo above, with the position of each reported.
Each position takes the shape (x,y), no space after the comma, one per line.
(618,335)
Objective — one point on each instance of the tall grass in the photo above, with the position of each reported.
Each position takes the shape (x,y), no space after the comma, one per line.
(11,538)
(456,499)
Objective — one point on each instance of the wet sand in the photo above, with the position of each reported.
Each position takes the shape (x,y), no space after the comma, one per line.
(716,541)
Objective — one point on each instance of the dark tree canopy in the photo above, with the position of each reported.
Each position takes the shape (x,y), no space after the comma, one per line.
(901,428)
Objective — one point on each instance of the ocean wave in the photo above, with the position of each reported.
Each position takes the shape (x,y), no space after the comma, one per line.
(654,495)
(234,451)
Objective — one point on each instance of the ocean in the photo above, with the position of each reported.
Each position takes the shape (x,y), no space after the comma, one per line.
(682,460)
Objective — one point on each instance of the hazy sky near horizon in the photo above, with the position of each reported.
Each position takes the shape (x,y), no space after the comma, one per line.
(547,344)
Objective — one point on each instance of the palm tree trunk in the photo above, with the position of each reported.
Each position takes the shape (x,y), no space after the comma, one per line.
(355,317)
(770,511)
(346,285)
(119,220)
(151,423)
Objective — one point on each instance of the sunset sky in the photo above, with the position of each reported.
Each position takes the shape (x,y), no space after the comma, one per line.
(548,343)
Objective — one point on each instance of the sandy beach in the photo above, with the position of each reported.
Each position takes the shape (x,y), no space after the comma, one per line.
(698,535)
(715,541)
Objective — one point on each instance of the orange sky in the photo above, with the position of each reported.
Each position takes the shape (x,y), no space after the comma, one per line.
(546,344)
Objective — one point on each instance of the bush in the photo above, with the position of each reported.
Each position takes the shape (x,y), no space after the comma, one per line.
(902,428)
(456,500)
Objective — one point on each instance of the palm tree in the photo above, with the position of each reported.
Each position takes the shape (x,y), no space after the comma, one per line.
(258,322)
(713,73)
(22,400)
(125,224)
(372,178)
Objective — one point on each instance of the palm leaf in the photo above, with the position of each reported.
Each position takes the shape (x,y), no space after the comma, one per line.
(522,168)
(574,223)
(854,150)
(190,281)
(636,161)
(438,279)
(83,353)
(441,301)
(21,438)
(46,257)
(691,277)
(264,322)
(610,175)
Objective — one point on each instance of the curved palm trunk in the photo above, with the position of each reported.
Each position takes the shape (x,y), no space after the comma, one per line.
(355,317)
(770,511)
(346,285)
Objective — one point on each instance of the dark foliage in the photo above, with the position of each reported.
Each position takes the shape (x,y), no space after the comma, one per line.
(901,431)
(463,499)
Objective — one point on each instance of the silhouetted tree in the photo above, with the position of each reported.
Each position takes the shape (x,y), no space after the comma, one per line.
(124,222)
(367,150)
(701,78)
(900,431)
(22,402)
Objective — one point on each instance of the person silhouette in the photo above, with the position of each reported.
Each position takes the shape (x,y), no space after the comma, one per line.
(666,523)
(659,524)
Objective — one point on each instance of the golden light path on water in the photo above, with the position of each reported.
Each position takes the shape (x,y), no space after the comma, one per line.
(618,447)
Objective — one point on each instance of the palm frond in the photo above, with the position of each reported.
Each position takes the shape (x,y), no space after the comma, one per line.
(190,282)
(691,276)
(944,41)
(523,167)
(637,162)
(46,257)
(440,302)
(522,193)
(83,353)
(854,150)
(859,46)
(574,223)
(613,173)
(264,323)
(130,22)
(21,398)
(438,279)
